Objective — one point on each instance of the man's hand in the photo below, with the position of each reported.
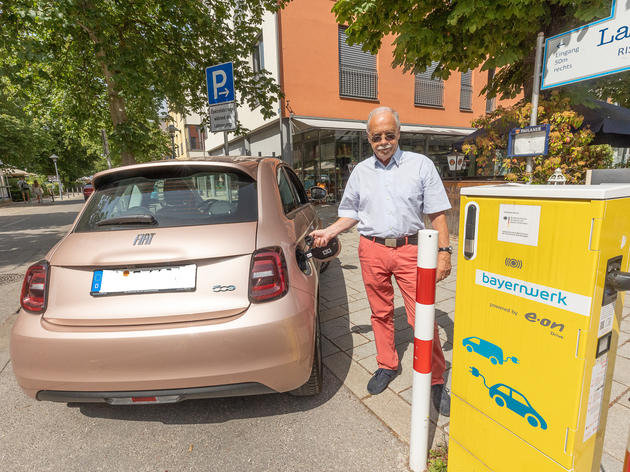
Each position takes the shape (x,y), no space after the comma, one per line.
(443,266)
(321,237)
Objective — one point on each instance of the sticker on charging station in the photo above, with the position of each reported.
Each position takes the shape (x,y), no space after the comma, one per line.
(539,293)
(595,397)
(606,319)
(519,224)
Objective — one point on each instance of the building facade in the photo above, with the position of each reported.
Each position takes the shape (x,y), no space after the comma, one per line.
(329,89)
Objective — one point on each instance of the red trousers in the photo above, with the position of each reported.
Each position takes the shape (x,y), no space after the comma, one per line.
(378,264)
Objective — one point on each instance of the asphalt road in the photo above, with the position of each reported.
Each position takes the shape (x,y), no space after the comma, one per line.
(331,432)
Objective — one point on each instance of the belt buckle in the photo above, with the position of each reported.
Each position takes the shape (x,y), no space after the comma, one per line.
(390,242)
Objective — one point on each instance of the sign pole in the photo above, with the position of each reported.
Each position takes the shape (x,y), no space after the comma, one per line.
(535,92)
(226,149)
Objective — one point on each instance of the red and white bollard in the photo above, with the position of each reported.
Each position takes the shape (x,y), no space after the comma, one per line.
(626,462)
(423,349)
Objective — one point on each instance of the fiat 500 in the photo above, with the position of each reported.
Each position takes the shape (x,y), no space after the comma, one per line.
(178,280)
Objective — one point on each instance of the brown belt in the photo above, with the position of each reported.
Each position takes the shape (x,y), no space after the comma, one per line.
(394,242)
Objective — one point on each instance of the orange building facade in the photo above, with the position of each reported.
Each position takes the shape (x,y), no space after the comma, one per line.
(330,88)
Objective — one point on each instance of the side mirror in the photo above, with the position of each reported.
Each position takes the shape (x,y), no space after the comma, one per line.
(326,253)
(318,193)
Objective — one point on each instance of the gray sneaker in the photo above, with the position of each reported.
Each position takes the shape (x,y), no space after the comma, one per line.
(441,399)
(380,380)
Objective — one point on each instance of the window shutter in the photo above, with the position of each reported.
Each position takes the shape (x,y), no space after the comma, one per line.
(357,70)
(429,91)
(465,93)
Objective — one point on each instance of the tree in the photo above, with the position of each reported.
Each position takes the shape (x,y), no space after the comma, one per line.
(466,34)
(569,144)
(120,62)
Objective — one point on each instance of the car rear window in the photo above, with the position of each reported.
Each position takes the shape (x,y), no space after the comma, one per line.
(171,197)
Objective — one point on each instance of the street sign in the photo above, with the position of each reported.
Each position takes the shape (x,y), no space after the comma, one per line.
(220,82)
(223,117)
(594,50)
(52,178)
(529,141)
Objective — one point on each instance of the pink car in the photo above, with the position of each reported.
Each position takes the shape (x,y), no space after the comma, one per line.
(178,280)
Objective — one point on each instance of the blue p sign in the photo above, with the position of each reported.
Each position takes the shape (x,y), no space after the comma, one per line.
(220,81)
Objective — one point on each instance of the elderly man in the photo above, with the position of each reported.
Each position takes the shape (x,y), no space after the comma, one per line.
(387,196)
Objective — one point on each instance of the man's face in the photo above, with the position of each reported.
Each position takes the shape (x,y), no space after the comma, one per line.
(383,135)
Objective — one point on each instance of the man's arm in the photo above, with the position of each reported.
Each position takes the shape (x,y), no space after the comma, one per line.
(321,237)
(438,222)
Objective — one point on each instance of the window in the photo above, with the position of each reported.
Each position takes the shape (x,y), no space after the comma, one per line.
(297,186)
(169,197)
(357,70)
(258,58)
(289,200)
(490,102)
(429,91)
(194,138)
(465,92)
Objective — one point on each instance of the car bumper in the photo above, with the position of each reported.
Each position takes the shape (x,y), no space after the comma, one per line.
(267,348)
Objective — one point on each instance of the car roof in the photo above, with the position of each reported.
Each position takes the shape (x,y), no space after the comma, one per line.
(247,164)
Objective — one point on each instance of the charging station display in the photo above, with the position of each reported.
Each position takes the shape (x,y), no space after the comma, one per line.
(536,325)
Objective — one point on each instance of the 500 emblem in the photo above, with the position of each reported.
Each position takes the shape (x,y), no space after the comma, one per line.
(223,288)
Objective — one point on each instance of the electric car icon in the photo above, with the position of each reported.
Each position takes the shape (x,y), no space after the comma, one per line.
(514,400)
(487,349)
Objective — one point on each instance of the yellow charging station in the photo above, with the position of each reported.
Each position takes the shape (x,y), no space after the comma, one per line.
(540,280)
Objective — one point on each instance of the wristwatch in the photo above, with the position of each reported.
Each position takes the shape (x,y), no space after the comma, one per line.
(448,249)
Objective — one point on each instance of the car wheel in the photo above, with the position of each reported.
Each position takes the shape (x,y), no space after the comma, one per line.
(498,399)
(469,348)
(314,383)
(494,360)
(532,420)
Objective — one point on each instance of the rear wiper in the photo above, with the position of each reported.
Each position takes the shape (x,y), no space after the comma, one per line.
(128,220)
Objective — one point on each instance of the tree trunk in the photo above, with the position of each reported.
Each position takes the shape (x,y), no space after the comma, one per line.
(117,109)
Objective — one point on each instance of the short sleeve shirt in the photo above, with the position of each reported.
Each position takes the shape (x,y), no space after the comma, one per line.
(390,201)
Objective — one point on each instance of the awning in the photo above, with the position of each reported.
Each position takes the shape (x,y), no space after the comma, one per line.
(304,123)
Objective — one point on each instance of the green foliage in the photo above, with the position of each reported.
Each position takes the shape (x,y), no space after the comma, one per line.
(569,147)
(98,64)
(438,459)
(466,34)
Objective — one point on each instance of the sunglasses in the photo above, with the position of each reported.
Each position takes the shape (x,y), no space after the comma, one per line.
(375,138)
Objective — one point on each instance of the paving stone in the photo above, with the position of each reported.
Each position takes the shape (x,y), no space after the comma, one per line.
(442,293)
(361,317)
(622,370)
(617,431)
(447,305)
(619,393)
(349,341)
(337,327)
(350,373)
(624,350)
(328,347)
(404,335)
(404,379)
(369,364)
(328,314)
(393,411)
(610,464)
(363,351)
(358,305)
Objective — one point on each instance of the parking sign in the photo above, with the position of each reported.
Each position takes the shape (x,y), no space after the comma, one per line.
(220,82)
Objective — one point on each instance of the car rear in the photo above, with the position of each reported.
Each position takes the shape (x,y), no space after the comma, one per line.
(88,189)
(161,293)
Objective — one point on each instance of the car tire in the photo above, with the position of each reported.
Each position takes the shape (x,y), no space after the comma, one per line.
(469,348)
(494,360)
(499,400)
(532,420)
(313,385)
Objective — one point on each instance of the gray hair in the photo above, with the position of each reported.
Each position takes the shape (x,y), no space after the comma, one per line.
(379,110)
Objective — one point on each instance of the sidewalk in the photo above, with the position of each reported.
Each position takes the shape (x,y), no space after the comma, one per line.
(349,350)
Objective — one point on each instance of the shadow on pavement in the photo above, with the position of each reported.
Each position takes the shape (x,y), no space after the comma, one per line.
(216,410)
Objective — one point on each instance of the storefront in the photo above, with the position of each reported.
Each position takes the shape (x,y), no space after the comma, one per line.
(325,157)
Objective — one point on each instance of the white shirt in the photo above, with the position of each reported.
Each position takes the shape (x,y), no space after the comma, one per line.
(389,202)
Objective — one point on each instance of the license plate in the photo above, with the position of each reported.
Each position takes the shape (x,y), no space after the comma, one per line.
(144,280)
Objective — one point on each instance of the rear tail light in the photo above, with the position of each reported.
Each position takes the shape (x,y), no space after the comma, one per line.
(35,288)
(268,276)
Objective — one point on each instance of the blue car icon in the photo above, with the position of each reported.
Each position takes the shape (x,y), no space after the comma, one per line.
(486,349)
(516,401)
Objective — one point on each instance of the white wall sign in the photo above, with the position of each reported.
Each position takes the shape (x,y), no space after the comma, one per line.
(519,224)
(594,50)
(223,117)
